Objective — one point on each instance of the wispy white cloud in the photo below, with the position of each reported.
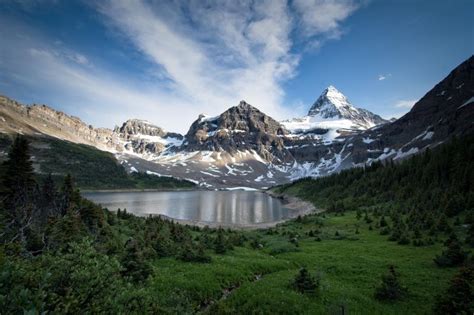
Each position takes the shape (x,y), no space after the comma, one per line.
(323,17)
(382,77)
(233,50)
(405,103)
(220,52)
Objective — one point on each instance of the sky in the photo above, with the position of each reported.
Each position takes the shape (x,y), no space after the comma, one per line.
(169,61)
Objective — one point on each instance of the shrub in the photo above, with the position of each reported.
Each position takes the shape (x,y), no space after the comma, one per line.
(190,254)
(385,231)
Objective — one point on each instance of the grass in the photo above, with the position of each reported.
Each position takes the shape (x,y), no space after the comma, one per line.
(349,266)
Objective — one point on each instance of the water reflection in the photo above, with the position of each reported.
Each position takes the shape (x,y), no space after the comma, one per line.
(227,207)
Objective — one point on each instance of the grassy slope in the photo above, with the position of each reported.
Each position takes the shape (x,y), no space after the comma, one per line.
(91,168)
(350,269)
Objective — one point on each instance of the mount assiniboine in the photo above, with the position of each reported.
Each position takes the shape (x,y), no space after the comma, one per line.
(243,147)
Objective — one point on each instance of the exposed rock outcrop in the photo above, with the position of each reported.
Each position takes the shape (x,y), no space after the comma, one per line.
(239,128)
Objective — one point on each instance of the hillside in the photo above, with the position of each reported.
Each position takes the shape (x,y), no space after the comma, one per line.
(91,168)
(366,254)
(436,182)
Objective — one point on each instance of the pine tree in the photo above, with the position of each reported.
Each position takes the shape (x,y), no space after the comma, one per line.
(135,266)
(19,177)
(71,195)
(459,297)
(220,244)
(19,192)
(48,199)
(453,255)
(304,282)
(443,225)
(470,236)
(390,288)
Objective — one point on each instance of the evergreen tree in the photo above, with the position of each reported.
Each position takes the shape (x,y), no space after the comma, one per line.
(71,196)
(470,235)
(459,297)
(19,193)
(453,255)
(390,288)
(135,266)
(18,178)
(220,244)
(443,225)
(304,282)
(48,199)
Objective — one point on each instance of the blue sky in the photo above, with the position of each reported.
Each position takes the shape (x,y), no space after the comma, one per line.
(167,62)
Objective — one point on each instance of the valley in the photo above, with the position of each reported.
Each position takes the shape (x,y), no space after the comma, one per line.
(236,157)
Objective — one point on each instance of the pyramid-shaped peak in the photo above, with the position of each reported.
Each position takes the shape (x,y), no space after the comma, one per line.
(332,88)
(330,102)
(244,104)
(336,96)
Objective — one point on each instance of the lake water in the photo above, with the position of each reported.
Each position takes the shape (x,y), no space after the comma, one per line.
(216,207)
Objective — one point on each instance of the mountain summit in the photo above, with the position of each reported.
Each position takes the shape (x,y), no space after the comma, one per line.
(333,111)
(332,104)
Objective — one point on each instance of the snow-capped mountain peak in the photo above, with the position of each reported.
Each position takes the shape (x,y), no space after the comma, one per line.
(331,104)
(333,111)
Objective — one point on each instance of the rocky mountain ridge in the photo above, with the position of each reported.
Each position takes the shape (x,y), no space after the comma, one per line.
(245,147)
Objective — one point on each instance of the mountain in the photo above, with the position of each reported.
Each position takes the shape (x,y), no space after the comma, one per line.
(239,128)
(41,119)
(445,111)
(134,136)
(333,111)
(334,104)
(236,148)
(142,137)
(245,147)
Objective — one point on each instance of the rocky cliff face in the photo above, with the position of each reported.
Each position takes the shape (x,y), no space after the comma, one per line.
(42,119)
(134,136)
(240,128)
(142,137)
(134,127)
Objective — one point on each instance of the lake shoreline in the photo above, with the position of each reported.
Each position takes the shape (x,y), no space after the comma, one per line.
(122,190)
(167,189)
(296,207)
